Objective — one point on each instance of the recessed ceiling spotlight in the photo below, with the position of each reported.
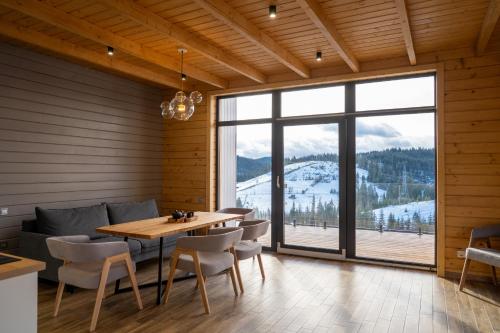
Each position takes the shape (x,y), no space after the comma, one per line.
(111,51)
(272,11)
(319,56)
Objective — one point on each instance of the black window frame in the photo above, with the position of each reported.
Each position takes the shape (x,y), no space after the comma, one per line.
(347,147)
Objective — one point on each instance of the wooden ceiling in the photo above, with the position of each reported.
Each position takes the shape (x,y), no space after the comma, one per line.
(235,40)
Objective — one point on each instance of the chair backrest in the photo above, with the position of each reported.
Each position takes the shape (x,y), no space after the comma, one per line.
(254,229)
(78,249)
(486,231)
(219,242)
(249,213)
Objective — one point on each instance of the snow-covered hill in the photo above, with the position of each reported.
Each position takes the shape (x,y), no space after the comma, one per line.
(318,179)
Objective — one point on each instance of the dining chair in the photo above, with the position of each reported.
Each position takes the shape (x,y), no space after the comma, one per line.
(249,214)
(91,266)
(486,255)
(205,256)
(249,247)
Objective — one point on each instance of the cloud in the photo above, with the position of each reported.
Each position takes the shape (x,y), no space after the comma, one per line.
(381,130)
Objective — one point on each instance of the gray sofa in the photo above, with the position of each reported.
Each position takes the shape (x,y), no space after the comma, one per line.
(84,221)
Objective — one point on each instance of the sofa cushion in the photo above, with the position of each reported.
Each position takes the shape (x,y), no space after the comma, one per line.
(132,211)
(134,245)
(72,221)
(154,244)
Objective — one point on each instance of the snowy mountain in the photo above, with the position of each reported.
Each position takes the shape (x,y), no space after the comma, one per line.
(317,181)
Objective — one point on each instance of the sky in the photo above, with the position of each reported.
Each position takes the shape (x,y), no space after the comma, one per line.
(372,133)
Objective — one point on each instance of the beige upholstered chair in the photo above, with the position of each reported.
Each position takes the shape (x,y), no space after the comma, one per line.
(205,256)
(486,255)
(248,247)
(249,214)
(91,266)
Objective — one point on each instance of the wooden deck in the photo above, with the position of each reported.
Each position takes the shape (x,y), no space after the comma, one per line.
(398,246)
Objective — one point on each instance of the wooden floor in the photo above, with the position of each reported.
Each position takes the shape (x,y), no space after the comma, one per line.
(300,295)
(395,246)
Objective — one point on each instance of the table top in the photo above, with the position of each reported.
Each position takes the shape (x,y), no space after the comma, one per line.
(158,227)
(20,267)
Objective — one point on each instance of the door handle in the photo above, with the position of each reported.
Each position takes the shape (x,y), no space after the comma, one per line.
(278,182)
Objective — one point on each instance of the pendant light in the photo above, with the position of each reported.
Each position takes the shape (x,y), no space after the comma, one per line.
(181,107)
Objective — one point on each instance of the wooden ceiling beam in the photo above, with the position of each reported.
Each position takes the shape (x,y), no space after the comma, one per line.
(157,23)
(488,26)
(405,27)
(101,60)
(318,17)
(61,19)
(224,13)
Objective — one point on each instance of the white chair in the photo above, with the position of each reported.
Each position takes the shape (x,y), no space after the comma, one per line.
(91,266)
(205,256)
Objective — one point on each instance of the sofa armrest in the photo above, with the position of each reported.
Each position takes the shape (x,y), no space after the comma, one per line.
(34,246)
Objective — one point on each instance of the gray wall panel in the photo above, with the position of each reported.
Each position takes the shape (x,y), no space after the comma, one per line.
(71,136)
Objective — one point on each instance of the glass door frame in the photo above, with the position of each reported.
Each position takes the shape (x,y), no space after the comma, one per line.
(347,160)
(279,178)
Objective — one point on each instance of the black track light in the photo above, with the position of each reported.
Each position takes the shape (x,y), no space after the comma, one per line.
(272,11)
(111,51)
(319,56)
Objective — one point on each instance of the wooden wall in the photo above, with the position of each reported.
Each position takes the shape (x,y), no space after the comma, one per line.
(472,148)
(186,154)
(71,136)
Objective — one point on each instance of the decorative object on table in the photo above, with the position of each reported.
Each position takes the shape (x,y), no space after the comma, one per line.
(181,107)
(179,216)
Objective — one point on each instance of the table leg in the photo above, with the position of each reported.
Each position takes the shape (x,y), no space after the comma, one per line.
(160,272)
(117,283)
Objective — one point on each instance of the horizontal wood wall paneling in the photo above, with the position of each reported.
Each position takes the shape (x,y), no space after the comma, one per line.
(71,136)
(115,86)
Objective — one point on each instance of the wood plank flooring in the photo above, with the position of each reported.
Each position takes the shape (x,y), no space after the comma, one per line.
(299,295)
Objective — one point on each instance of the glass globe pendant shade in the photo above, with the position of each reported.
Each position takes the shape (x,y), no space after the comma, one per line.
(165,110)
(180,96)
(182,110)
(196,96)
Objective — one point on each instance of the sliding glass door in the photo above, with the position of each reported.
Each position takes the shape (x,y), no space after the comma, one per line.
(347,169)
(311,186)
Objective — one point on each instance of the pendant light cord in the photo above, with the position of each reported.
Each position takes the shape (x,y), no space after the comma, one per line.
(182,70)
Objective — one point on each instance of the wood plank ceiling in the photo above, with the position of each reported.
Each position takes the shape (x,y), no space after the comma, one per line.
(236,41)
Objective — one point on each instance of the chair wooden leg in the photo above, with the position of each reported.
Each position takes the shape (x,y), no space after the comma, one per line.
(173,266)
(261,267)
(60,291)
(464,274)
(233,280)
(204,279)
(201,283)
(238,274)
(133,282)
(494,275)
(100,294)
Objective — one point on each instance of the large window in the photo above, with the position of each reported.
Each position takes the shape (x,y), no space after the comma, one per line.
(245,156)
(347,168)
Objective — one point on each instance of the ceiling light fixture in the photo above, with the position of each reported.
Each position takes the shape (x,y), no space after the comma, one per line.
(272,11)
(111,51)
(181,107)
(319,56)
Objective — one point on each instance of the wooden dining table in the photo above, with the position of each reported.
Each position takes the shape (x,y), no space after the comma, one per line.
(158,228)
